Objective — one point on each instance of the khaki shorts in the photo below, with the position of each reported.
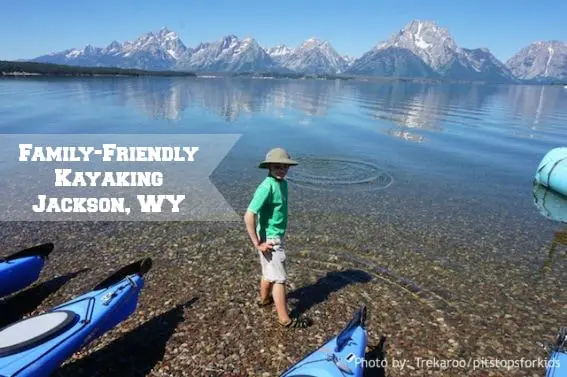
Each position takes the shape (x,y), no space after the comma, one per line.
(273,262)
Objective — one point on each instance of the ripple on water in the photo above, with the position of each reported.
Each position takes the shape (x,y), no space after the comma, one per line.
(339,173)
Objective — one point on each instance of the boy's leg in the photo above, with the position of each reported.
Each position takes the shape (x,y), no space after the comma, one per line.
(265,282)
(265,290)
(280,299)
(278,275)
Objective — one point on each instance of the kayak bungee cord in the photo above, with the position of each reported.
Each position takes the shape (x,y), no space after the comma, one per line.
(331,356)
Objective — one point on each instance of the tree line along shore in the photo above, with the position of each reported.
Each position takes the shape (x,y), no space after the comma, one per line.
(10,68)
(36,69)
(17,69)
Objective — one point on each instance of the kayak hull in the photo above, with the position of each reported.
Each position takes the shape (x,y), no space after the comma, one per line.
(557,365)
(87,317)
(333,359)
(557,361)
(18,274)
(552,170)
(21,269)
(317,365)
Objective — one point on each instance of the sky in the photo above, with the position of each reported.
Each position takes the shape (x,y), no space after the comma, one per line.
(30,28)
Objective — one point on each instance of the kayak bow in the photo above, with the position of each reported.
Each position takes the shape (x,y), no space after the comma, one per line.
(36,346)
(22,268)
(342,355)
(557,362)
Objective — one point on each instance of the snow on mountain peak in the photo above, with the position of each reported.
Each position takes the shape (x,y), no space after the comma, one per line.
(166,34)
(311,43)
(349,59)
(228,42)
(90,49)
(433,44)
(244,45)
(113,48)
(279,50)
(417,25)
(312,56)
(229,38)
(421,45)
(541,60)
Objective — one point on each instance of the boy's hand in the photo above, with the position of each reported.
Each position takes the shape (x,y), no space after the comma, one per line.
(265,246)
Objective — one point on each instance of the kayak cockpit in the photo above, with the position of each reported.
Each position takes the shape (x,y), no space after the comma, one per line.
(32,331)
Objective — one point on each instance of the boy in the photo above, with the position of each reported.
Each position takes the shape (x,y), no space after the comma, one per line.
(266,223)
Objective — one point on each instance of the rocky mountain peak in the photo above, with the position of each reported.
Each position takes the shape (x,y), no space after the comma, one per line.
(541,60)
(421,48)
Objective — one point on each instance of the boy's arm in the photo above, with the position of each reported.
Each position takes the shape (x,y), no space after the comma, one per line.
(250,221)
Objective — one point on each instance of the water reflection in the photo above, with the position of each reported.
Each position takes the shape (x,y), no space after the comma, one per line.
(559,241)
(537,104)
(310,97)
(404,108)
(413,107)
(168,98)
(552,206)
(406,135)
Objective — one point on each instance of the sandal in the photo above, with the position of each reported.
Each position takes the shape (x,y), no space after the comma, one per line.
(298,322)
(262,304)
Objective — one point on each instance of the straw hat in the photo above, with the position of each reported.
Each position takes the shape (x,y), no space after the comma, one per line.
(277,156)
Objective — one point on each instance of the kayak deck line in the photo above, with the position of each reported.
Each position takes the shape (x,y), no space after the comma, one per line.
(140,267)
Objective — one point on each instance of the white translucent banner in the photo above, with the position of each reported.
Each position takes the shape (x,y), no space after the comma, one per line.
(112,177)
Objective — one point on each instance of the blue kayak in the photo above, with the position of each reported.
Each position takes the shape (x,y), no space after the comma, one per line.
(36,346)
(340,356)
(21,269)
(557,362)
(552,170)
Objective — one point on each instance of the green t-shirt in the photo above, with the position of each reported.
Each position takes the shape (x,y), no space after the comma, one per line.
(270,204)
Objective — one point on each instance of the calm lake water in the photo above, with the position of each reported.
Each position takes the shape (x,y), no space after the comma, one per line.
(446,168)
(433,151)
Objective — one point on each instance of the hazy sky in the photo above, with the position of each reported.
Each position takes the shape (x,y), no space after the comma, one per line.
(30,28)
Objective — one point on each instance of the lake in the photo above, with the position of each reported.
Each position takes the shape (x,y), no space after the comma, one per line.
(427,185)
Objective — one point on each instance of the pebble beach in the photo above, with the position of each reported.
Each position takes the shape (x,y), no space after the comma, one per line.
(197,315)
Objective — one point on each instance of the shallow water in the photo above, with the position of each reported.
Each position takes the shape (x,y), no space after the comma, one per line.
(427,185)
(457,157)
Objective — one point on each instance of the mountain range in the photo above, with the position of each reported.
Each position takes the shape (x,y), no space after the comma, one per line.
(421,49)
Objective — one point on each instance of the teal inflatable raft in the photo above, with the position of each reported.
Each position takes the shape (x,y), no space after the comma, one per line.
(552,170)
